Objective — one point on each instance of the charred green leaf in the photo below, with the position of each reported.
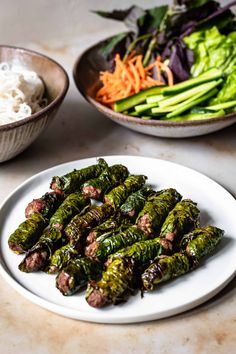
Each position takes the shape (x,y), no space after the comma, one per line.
(117,196)
(135,202)
(80,225)
(143,251)
(165,268)
(109,226)
(46,205)
(38,256)
(76,275)
(72,181)
(61,257)
(201,241)
(156,209)
(104,246)
(114,286)
(180,220)
(27,233)
(108,179)
(74,204)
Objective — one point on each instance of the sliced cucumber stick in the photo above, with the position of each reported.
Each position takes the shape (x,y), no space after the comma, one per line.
(181,97)
(209,75)
(134,100)
(185,107)
(223,105)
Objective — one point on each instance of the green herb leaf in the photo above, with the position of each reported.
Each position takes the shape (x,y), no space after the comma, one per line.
(112,43)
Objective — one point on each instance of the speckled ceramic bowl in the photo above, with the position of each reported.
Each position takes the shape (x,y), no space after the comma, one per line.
(16,137)
(86,76)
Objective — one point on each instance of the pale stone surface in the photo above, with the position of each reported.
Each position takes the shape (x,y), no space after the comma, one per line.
(79,131)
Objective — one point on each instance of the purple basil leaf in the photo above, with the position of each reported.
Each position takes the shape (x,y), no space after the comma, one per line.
(181,60)
(183,23)
(224,23)
(217,13)
(178,23)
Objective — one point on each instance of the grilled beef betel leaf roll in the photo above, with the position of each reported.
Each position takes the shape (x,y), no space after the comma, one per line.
(38,256)
(72,181)
(180,220)
(156,209)
(27,233)
(111,225)
(108,179)
(135,202)
(196,244)
(46,205)
(121,275)
(77,274)
(79,225)
(201,241)
(74,204)
(115,285)
(143,252)
(104,246)
(117,196)
(61,257)
(165,268)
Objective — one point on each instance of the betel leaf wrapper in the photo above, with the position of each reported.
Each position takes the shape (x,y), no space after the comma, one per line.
(108,226)
(165,268)
(143,252)
(108,179)
(72,181)
(38,256)
(114,286)
(77,274)
(74,204)
(201,241)
(103,247)
(61,257)
(156,209)
(27,233)
(117,196)
(135,202)
(80,225)
(46,205)
(180,220)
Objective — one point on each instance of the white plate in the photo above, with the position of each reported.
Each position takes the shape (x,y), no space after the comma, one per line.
(217,207)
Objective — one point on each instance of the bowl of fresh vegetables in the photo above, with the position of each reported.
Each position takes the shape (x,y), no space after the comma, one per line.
(171,75)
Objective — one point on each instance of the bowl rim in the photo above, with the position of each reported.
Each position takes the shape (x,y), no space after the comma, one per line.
(129,119)
(52,104)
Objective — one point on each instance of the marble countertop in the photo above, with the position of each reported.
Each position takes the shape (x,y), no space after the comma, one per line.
(77,132)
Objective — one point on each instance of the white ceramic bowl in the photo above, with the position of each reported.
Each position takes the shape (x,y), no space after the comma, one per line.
(16,137)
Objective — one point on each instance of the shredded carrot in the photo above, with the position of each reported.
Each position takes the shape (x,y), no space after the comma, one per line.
(135,76)
(140,67)
(131,56)
(158,61)
(130,77)
(165,68)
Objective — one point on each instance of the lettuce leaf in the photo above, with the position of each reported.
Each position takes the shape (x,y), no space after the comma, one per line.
(213,49)
(228,91)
